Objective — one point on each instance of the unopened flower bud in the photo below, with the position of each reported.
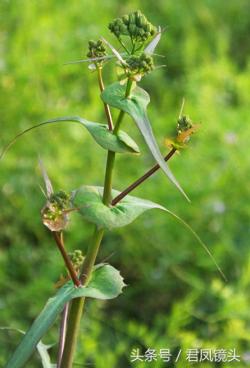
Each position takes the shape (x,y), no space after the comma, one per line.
(77,259)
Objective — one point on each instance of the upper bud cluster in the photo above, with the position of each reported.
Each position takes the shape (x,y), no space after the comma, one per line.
(134,25)
(139,65)
(96,50)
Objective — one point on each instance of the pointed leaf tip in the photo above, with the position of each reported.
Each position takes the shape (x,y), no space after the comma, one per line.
(89,201)
(122,143)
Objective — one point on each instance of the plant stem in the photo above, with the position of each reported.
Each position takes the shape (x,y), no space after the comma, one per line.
(58,236)
(77,304)
(141,179)
(122,113)
(108,178)
(106,107)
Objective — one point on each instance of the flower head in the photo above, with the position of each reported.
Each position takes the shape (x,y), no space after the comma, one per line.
(135,25)
(97,50)
(185,128)
(55,213)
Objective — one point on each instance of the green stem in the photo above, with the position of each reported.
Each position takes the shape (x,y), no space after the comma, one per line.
(108,178)
(77,304)
(122,113)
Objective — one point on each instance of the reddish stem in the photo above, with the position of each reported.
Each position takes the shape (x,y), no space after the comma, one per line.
(141,179)
(58,236)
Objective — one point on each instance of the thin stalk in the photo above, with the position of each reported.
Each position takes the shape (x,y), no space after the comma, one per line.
(77,304)
(123,45)
(58,236)
(141,179)
(106,107)
(63,330)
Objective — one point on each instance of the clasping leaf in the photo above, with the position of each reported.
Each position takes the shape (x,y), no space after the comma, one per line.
(136,106)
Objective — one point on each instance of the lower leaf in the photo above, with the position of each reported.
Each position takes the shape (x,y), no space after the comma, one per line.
(89,201)
(106,283)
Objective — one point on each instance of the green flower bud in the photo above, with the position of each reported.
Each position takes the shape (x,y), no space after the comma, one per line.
(131,18)
(77,259)
(135,25)
(125,19)
(183,124)
(96,50)
(142,64)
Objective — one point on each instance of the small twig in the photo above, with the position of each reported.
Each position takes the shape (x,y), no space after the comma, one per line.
(58,236)
(141,179)
(62,335)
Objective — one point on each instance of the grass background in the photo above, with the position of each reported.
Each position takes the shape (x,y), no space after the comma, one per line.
(175,297)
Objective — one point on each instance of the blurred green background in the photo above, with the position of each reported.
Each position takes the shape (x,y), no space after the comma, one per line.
(175,297)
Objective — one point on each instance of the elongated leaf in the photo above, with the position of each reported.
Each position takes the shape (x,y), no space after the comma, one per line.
(106,283)
(152,45)
(136,107)
(122,143)
(89,201)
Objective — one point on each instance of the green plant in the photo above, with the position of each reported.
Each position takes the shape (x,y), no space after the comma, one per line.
(104,207)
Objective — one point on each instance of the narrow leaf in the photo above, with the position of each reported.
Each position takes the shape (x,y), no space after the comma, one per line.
(106,283)
(122,143)
(115,52)
(152,45)
(136,107)
(89,201)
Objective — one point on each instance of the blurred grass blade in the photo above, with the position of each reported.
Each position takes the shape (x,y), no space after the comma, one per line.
(106,283)
(122,143)
(136,107)
(41,348)
(89,201)
(90,60)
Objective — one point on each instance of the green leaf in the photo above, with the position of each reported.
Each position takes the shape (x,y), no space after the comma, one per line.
(136,107)
(106,283)
(121,143)
(89,201)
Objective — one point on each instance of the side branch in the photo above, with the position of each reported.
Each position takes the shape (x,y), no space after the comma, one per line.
(59,241)
(141,179)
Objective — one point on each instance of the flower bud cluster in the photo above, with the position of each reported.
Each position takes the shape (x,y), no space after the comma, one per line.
(141,65)
(54,213)
(184,123)
(185,128)
(96,50)
(135,25)
(76,258)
